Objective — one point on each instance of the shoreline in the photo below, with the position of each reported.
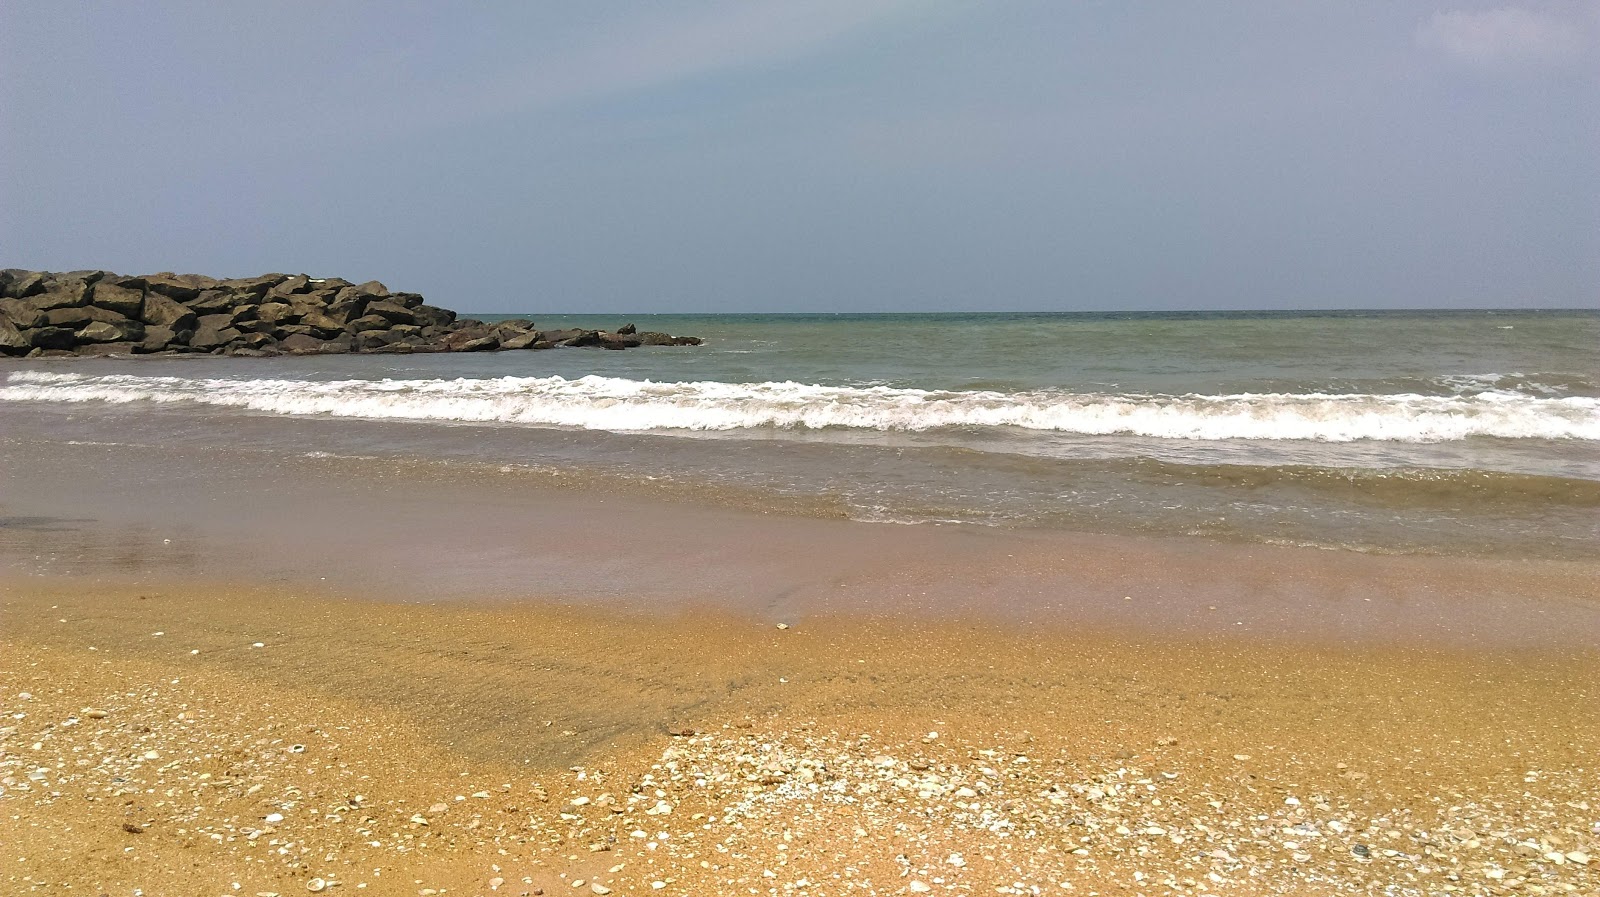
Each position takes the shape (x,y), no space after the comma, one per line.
(1267,763)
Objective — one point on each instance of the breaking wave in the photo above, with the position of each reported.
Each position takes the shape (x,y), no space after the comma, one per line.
(622,405)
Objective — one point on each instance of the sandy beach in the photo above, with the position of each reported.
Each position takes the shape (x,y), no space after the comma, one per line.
(215,738)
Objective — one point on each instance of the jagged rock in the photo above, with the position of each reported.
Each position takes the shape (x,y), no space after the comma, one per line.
(22,284)
(389,311)
(121,298)
(163,310)
(255,341)
(428,314)
(79,316)
(111,332)
(12,340)
(276,312)
(21,313)
(300,344)
(172,287)
(291,285)
(157,337)
(256,286)
(52,337)
(368,322)
(524,340)
(62,294)
(94,312)
(211,337)
(211,302)
(322,323)
(107,348)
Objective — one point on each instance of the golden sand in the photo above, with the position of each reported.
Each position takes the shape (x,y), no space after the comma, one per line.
(223,739)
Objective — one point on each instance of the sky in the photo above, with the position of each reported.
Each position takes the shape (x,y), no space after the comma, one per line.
(834,155)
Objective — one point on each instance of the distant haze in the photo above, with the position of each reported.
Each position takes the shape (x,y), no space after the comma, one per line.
(832,155)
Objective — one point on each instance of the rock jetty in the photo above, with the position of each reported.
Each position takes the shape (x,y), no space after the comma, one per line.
(86,313)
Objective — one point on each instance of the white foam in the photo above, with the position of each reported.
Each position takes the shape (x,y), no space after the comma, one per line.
(615,404)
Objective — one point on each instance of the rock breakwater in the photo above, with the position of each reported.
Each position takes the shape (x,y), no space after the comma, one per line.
(88,313)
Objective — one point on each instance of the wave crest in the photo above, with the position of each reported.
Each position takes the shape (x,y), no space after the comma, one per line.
(623,405)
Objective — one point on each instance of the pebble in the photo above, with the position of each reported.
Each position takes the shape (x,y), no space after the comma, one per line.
(96,714)
(316,884)
(918,887)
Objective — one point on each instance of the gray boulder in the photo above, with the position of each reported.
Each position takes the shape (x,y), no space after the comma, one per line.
(211,337)
(21,313)
(52,338)
(79,316)
(123,331)
(125,300)
(62,294)
(168,312)
(211,302)
(13,341)
(390,311)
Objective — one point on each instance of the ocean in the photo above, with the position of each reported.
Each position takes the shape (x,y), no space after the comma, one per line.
(1462,432)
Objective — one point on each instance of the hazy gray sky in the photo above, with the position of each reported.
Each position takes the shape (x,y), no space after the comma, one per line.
(700,155)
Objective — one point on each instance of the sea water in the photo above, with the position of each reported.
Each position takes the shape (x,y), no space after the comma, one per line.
(1409,432)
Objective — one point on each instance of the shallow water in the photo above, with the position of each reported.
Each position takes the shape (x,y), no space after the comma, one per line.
(1458,432)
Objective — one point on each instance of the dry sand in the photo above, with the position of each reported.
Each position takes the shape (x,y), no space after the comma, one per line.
(218,739)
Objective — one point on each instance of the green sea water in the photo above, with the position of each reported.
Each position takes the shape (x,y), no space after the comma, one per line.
(1437,432)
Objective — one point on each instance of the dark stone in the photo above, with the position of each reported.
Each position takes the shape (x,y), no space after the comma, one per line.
(103,349)
(408,300)
(170,286)
(300,344)
(345,309)
(123,331)
(157,337)
(13,341)
(338,345)
(21,313)
(372,288)
(168,312)
(214,322)
(276,312)
(246,312)
(62,294)
(78,317)
(124,300)
(322,323)
(208,337)
(255,340)
(368,322)
(560,336)
(211,302)
(291,285)
(429,314)
(255,286)
(367,340)
(90,276)
(52,338)
(524,340)
(389,311)
(627,330)
(23,284)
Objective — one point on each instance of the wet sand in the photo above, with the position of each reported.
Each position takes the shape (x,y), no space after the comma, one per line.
(225,677)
